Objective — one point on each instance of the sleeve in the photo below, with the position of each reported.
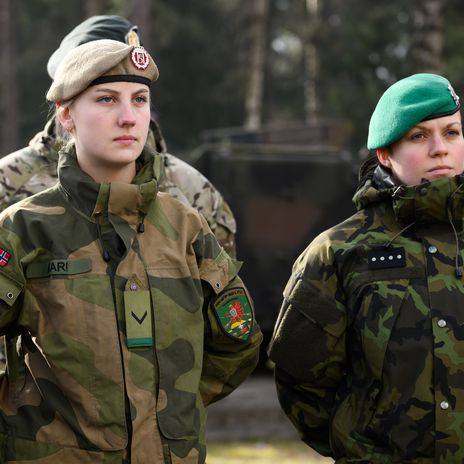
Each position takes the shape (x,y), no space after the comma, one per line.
(16,171)
(12,281)
(232,336)
(308,345)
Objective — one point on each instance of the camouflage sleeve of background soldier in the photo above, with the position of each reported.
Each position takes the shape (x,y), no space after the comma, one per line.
(232,335)
(188,185)
(308,344)
(30,169)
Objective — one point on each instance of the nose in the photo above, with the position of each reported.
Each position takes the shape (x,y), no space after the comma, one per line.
(126,115)
(438,146)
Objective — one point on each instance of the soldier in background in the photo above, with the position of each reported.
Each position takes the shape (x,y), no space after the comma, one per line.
(131,317)
(33,168)
(369,343)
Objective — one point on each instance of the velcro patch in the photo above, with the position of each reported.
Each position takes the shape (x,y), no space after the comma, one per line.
(386,258)
(234,313)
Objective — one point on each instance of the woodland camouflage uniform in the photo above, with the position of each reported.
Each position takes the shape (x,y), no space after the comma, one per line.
(33,169)
(369,347)
(122,335)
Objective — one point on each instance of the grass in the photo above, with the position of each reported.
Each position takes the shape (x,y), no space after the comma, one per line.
(263,452)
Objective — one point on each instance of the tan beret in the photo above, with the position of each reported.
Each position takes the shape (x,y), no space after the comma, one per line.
(98,62)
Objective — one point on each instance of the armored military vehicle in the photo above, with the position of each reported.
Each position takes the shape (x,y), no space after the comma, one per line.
(285,185)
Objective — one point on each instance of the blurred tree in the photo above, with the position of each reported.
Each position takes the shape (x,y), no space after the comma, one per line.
(203,49)
(8,79)
(259,45)
(197,46)
(311,55)
(428,36)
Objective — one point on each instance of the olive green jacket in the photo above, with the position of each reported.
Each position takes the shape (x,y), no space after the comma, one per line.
(116,304)
(369,344)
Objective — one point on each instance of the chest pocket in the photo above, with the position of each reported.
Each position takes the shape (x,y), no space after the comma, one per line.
(385,305)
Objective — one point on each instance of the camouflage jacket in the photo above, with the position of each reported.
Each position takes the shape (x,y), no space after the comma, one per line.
(33,169)
(369,343)
(118,334)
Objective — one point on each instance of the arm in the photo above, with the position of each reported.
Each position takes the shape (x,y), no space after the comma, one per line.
(308,345)
(232,336)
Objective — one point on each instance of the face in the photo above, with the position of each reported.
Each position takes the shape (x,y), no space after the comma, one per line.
(109,123)
(430,150)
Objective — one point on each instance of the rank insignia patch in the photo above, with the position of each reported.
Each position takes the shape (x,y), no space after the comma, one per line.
(234,313)
(4,257)
(386,258)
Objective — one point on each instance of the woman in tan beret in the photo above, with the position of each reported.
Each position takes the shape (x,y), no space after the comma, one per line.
(129,317)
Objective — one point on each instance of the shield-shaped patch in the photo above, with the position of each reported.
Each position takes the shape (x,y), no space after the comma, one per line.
(234,313)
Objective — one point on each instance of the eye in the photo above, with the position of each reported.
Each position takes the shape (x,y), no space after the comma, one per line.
(106,99)
(141,99)
(453,132)
(417,136)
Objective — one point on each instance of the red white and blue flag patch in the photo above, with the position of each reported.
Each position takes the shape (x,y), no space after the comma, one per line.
(4,257)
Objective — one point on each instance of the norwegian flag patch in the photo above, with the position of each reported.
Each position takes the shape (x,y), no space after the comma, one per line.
(4,257)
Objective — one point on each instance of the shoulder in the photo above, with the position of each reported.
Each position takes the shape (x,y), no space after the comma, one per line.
(178,213)
(339,244)
(44,204)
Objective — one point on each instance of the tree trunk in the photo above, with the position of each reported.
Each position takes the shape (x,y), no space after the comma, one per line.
(139,14)
(254,94)
(8,83)
(427,45)
(94,7)
(311,68)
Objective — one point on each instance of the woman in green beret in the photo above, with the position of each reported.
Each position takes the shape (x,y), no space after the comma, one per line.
(123,316)
(369,344)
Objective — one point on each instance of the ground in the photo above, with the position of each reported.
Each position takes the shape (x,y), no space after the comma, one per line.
(249,427)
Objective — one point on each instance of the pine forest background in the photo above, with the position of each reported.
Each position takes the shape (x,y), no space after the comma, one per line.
(241,63)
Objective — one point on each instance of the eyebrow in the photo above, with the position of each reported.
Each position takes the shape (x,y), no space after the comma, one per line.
(422,127)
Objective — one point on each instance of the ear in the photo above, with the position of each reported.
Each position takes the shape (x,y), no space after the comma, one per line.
(64,116)
(383,155)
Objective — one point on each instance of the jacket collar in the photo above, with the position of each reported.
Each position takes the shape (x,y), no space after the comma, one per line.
(93,199)
(441,200)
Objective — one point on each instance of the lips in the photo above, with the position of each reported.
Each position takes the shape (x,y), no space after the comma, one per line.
(123,138)
(441,170)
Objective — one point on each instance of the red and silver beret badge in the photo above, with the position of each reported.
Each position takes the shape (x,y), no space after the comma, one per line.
(140,58)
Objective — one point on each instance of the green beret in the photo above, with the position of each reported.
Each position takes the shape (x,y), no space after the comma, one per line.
(94,28)
(408,102)
(98,62)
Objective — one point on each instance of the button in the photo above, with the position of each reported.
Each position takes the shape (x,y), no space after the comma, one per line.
(423,191)
(218,284)
(133,286)
(444,405)
(432,249)
(441,323)
(10,295)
